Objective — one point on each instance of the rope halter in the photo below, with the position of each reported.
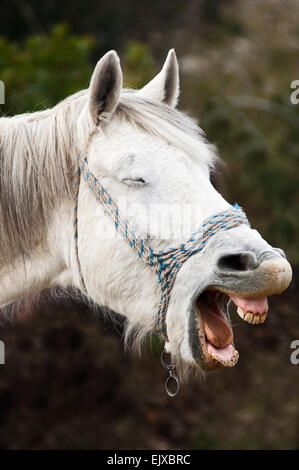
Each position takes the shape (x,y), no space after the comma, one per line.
(166,264)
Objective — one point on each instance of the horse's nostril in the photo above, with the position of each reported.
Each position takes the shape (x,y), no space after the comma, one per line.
(238,262)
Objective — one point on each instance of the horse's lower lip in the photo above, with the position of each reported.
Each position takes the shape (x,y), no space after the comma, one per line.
(225,357)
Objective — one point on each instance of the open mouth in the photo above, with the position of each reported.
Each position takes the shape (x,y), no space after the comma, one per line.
(214,327)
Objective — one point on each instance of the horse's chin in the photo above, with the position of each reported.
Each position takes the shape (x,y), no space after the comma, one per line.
(210,331)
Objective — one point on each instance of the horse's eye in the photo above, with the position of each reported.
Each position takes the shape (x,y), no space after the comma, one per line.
(134,181)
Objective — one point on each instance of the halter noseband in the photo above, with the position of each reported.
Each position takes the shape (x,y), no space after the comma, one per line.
(166,264)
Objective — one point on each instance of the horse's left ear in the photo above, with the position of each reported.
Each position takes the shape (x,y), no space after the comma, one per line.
(165,86)
(105,87)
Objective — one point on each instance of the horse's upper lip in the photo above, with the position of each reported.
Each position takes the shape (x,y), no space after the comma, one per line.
(272,276)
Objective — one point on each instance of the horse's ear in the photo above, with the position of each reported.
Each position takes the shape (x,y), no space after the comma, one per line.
(105,87)
(165,87)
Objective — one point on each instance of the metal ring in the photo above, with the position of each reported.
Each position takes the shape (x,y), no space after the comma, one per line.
(164,363)
(177,384)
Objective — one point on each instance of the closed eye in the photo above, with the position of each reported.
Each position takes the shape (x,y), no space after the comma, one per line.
(134,181)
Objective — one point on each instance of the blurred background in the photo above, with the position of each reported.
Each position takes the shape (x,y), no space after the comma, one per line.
(67,383)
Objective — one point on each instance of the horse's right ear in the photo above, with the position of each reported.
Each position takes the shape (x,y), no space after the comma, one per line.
(105,87)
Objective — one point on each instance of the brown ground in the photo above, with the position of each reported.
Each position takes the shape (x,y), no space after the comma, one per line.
(67,384)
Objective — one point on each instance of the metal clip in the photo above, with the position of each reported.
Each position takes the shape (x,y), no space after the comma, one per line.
(171,378)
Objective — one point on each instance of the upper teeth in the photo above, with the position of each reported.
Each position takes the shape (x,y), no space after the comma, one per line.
(253,318)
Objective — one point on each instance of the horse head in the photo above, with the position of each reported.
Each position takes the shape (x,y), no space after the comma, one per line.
(155,164)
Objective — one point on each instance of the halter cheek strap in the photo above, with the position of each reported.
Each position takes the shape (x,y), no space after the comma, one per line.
(166,264)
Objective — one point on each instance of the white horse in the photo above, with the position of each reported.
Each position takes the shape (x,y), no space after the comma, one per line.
(155,163)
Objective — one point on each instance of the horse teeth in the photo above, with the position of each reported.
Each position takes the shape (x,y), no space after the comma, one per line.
(249,317)
(260,319)
(240,312)
(263,317)
(253,319)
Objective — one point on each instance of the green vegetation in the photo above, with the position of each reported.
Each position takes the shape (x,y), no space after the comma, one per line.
(44,68)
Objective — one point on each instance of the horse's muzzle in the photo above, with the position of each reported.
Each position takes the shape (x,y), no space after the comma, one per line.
(271,276)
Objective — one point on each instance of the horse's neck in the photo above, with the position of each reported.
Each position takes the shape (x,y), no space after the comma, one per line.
(43,265)
(28,276)
(46,266)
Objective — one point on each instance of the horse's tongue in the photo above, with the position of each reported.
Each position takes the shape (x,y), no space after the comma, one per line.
(254,306)
(217,331)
